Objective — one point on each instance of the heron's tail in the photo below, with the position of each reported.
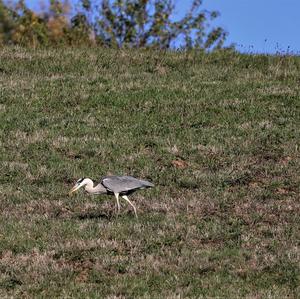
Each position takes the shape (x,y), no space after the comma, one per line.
(147,184)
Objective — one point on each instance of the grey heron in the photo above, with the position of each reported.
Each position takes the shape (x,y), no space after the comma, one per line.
(113,185)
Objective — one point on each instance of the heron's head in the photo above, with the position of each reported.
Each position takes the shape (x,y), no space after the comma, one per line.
(80,183)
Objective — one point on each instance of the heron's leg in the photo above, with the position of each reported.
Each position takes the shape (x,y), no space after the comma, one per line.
(118,202)
(126,198)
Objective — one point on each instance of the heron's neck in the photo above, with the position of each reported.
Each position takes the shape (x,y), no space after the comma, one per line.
(89,187)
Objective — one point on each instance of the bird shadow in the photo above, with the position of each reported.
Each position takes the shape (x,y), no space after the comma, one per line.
(92,215)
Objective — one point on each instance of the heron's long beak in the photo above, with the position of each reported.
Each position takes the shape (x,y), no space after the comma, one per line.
(76,187)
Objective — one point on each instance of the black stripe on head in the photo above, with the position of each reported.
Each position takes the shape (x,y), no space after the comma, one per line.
(80,180)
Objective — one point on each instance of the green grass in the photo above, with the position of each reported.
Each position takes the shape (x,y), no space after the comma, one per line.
(218,134)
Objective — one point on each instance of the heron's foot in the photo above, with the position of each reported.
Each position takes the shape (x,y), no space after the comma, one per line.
(118,210)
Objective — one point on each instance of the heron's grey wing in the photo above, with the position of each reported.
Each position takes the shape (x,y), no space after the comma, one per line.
(120,184)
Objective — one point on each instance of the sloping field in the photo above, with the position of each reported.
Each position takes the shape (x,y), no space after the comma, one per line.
(218,134)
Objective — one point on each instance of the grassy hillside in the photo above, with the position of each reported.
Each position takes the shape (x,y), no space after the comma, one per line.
(219,136)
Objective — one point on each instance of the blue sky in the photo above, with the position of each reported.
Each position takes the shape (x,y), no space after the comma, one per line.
(259,26)
(256,26)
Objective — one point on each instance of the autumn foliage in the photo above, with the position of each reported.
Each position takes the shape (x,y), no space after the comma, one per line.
(115,23)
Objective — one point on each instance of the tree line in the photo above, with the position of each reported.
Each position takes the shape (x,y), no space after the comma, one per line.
(111,23)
